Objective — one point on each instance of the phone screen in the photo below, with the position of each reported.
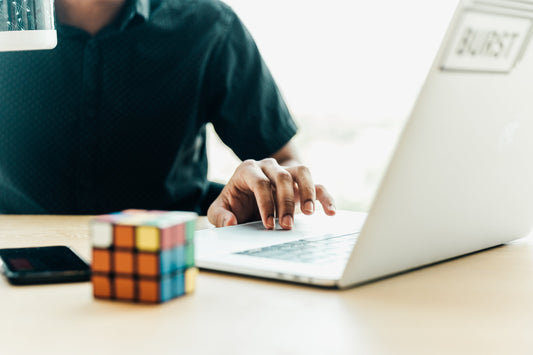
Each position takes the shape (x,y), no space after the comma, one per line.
(43,265)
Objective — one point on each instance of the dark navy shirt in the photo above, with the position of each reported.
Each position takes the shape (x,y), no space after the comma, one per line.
(117,120)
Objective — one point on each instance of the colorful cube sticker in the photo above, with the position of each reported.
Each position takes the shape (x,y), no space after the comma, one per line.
(143,256)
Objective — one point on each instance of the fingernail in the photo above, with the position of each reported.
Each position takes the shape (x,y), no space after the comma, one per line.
(309,206)
(270,223)
(287,221)
(332,208)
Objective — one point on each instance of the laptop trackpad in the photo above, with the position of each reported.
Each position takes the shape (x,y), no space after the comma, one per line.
(254,235)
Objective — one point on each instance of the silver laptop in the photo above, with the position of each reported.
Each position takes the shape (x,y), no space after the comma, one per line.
(460,179)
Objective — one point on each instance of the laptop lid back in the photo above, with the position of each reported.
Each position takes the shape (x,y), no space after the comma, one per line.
(461,177)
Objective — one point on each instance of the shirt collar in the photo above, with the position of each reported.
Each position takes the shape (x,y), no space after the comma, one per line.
(142,7)
(133,9)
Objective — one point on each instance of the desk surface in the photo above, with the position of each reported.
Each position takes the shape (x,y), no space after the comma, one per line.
(477,304)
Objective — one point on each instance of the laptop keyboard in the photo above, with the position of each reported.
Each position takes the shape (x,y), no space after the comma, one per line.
(318,250)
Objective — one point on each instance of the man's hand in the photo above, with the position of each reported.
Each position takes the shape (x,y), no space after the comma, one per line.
(264,189)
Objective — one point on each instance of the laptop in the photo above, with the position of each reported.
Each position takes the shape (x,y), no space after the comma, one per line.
(460,179)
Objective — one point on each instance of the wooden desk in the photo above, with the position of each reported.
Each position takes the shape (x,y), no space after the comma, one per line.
(479,304)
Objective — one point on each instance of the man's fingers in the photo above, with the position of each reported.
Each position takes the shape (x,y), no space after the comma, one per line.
(261,187)
(265,188)
(306,188)
(284,191)
(325,199)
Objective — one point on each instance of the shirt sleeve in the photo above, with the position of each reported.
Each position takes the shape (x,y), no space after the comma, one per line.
(245,106)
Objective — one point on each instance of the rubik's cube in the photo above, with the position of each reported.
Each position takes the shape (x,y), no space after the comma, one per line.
(143,256)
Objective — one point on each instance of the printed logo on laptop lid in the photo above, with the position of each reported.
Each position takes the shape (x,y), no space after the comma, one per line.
(487,42)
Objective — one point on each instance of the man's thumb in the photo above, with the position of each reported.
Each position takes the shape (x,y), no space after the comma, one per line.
(221,217)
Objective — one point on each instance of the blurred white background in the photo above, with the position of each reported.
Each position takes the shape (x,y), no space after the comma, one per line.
(350,72)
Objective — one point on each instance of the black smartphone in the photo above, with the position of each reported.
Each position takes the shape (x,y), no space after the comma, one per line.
(40,265)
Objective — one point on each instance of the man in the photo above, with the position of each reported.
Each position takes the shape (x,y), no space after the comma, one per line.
(115,116)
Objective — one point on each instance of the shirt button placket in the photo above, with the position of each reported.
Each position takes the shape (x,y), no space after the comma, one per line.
(88,127)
